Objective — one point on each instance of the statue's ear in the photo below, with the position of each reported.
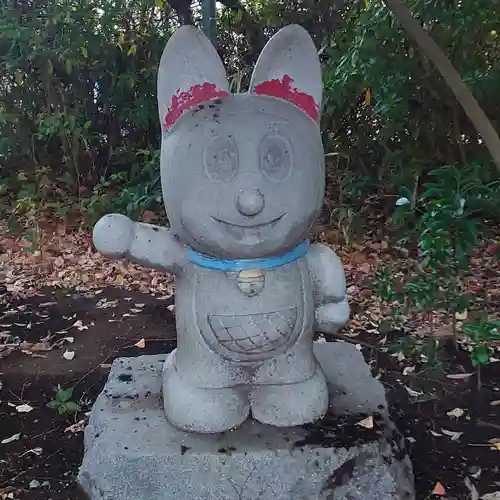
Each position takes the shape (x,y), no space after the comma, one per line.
(289,68)
(190,73)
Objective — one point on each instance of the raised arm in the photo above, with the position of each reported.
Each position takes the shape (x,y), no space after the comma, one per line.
(116,237)
(329,288)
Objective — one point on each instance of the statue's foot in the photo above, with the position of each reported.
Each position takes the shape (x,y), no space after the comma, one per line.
(291,404)
(196,409)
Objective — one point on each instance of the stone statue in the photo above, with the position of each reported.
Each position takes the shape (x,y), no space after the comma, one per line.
(243,182)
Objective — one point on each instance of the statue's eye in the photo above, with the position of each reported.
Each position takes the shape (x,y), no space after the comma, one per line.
(221,158)
(275,157)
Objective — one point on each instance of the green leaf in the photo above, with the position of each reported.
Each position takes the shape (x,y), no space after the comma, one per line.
(72,407)
(68,64)
(64,394)
(18,76)
(84,52)
(50,67)
(481,355)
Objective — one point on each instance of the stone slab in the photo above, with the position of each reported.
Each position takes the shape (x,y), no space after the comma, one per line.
(131,453)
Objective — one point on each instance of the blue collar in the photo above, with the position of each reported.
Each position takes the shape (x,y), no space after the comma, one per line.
(240,265)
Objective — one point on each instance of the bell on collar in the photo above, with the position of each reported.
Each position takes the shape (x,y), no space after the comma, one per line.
(250,281)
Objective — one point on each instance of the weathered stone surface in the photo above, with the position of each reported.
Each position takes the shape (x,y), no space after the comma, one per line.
(133,454)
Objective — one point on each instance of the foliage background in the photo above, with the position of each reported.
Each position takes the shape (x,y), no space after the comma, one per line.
(78,114)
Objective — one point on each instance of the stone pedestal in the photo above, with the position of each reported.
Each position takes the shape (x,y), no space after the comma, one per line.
(131,453)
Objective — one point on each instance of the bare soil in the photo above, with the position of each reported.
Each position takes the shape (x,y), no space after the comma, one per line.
(43,462)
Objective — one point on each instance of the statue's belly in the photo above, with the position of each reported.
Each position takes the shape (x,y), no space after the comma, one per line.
(250,319)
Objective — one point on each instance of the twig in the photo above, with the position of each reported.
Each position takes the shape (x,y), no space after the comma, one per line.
(351,340)
(44,433)
(482,423)
(17,476)
(96,367)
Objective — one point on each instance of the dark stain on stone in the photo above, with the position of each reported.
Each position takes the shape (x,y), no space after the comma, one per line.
(125,377)
(184,449)
(340,476)
(339,431)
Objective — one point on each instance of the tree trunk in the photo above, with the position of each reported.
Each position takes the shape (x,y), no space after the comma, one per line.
(451,76)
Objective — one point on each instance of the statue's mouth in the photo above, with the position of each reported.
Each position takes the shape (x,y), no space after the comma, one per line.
(248,234)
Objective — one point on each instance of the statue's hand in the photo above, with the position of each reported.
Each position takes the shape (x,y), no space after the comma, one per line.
(330,318)
(113,235)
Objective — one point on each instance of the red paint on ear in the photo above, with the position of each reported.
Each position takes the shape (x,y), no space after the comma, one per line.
(284,90)
(184,101)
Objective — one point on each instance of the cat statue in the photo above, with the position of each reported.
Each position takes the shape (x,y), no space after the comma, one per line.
(243,179)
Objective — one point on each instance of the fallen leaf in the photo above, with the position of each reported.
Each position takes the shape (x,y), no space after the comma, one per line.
(459,376)
(474,495)
(15,437)
(456,412)
(439,490)
(34,484)
(77,427)
(35,451)
(141,344)
(24,408)
(496,402)
(69,355)
(491,496)
(412,392)
(408,369)
(399,356)
(461,316)
(436,434)
(455,436)
(367,422)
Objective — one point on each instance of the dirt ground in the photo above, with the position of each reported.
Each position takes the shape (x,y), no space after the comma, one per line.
(450,428)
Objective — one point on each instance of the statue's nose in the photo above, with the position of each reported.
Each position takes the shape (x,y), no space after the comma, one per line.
(250,202)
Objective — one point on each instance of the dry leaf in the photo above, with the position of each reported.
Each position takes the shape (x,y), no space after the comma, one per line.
(78,427)
(436,434)
(69,355)
(79,324)
(408,369)
(461,316)
(439,490)
(35,451)
(495,403)
(367,422)
(24,408)
(474,495)
(456,412)
(459,376)
(141,344)
(15,437)
(491,496)
(411,392)
(455,436)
